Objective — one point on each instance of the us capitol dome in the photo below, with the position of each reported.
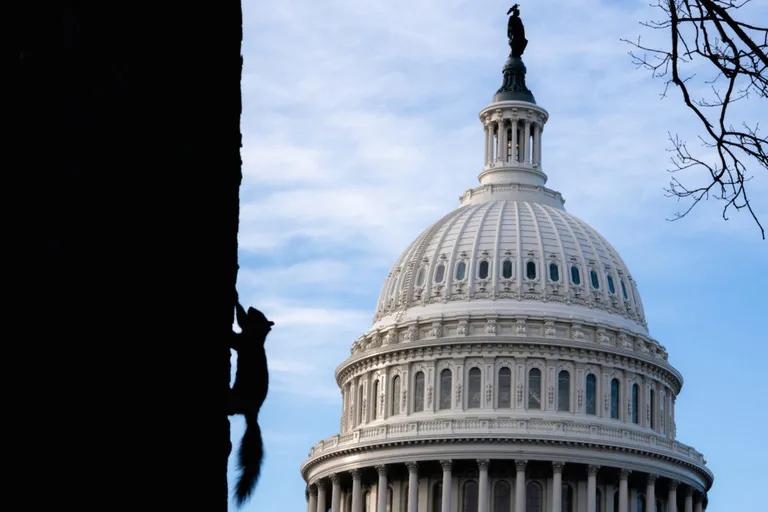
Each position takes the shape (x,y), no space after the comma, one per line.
(509,367)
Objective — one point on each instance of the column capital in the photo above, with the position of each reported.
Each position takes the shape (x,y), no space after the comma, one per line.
(381,469)
(689,491)
(412,466)
(335,478)
(483,464)
(558,466)
(651,478)
(446,464)
(356,473)
(592,469)
(624,473)
(312,489)
(520,465)
(320,482)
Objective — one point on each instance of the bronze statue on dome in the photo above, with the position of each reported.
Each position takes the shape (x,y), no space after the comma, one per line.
(516,31)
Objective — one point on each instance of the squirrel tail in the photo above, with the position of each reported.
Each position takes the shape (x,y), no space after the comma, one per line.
(249,457)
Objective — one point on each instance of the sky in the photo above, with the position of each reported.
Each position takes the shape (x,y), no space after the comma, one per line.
(360,129)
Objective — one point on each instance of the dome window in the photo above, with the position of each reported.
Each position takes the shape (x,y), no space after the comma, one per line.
(534,389)
(440,273)
(554,272)
(461,270)
(575,275)
(395,406)
(483,270)
(635,404)
(611,287)
(418,392)
(615,390)
(593,278)
(506,269)
(474,388)
(420,277)
(505,388)
(530,270)
(375,396)
(445,388)
(624,290)
(591,394)
(564,391)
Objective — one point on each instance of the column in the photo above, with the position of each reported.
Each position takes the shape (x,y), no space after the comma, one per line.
(557,486)
(336,493)
(312,502)
(413,486)
(592,488)
(381,490)
(515,156)
(482,494)
(357,491)
(698,504)
(321,506)
(650,494)
(672,496)
(503,141)
(527,141)
(537,145)
(499,138)
(488,138)
(624,490)
(447,485)
(689,500)
(520,485)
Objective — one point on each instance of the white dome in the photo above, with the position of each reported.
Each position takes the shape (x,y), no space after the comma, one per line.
(462,258)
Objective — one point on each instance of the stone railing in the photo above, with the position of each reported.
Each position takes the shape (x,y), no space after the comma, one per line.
(507,427)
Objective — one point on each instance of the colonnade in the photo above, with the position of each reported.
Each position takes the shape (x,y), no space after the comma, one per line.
(317,492)
(509,141)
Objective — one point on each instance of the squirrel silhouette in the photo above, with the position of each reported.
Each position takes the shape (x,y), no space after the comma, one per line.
(248,394)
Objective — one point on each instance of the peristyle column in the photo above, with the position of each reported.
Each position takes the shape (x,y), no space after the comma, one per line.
(482,494)
(413,486)
(520,485)
(672,496)
(357,491)
(312,501)
(624,490)
(689,500)
(527,141)
(335,493)
(592,488)
(381,491)
(698,504)
(447,484)
(650,494)
(321,506)
(557,486)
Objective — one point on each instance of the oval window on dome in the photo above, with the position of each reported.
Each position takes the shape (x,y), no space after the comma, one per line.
(624,290)
(575,275)
(506,269)
(440,273)
(461,270)
(483,270)
(530,270)
(593,278)
(554,272)
(420,277)
(611,287)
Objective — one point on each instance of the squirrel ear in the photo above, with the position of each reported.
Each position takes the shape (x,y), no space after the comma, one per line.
(240,315)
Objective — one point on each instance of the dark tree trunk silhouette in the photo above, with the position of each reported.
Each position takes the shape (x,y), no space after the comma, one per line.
(734,55)
(124,171)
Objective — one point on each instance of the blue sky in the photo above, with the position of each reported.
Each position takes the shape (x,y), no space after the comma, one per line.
(360,129)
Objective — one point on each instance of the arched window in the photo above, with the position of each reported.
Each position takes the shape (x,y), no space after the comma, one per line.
(640,503)
(615,394)
(395,405)
(470,496)
(505,388)
(533,497)
(420,277)
(440,273)
(530,270)
(624,290)
(663,411)
(506,269)
(534,389)
(575,275)
(595,281)
(591,394)
(566,501)
(418,392)
(474,389)
(359,398)
(599,501)
(652,407)
(461,270)
(554,272)
(445,389)
(611,287)
(483,269)
(437,497)
(635,403)
(502,497)
(375,400)
(564,391)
